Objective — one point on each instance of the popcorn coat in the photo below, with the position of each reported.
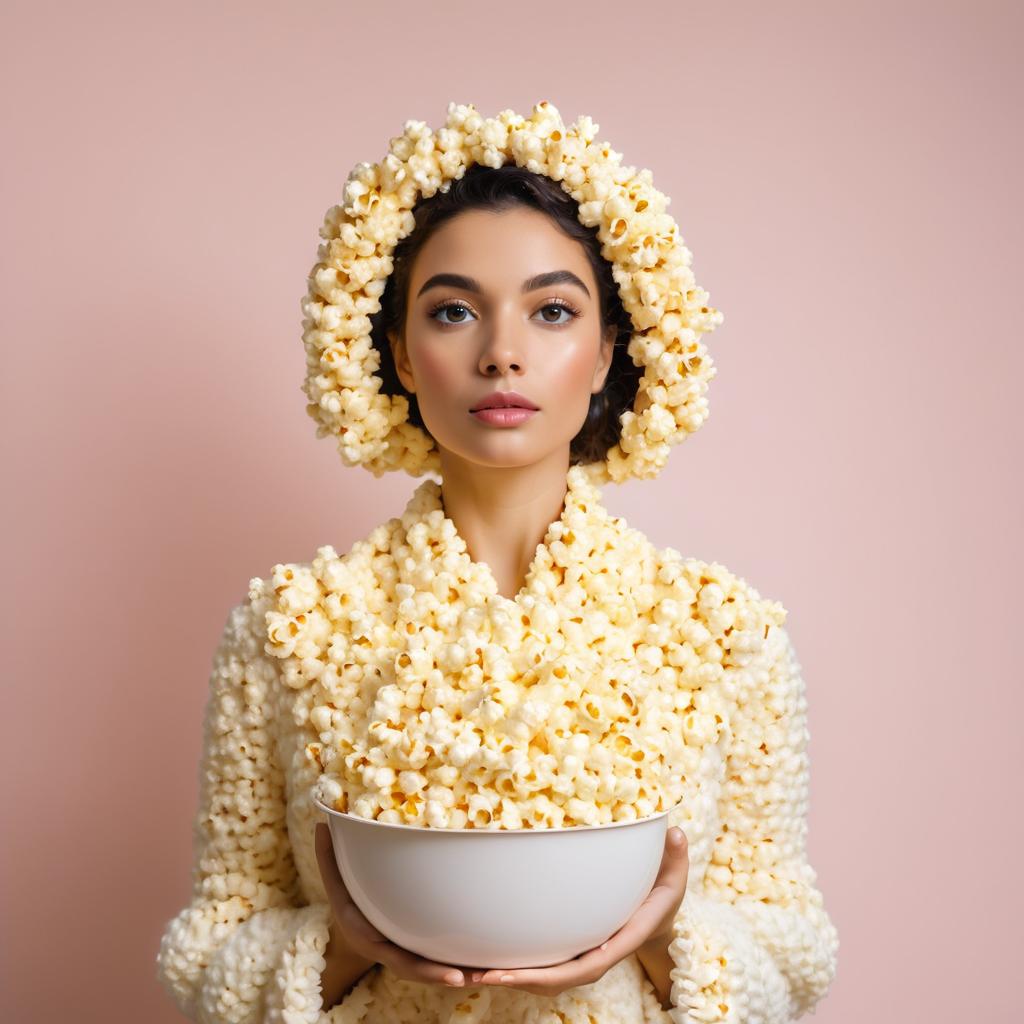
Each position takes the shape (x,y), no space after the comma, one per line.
(752,940)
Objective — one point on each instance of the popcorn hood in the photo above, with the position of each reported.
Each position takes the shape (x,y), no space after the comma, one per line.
(650,263)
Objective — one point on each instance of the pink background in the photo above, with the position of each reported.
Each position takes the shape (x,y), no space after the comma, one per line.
(842,173)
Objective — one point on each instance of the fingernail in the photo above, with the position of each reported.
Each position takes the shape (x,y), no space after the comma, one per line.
(454,978)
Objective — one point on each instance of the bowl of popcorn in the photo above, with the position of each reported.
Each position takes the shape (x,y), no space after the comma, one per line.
(497,898)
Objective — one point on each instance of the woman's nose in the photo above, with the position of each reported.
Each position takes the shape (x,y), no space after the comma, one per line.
(503,349)
(500,363)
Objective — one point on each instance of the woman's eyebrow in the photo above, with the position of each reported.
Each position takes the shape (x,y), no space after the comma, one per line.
(470,284)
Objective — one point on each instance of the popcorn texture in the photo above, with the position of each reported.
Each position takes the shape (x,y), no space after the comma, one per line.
(589,698)
(650,264)
(754,941)
(242,950)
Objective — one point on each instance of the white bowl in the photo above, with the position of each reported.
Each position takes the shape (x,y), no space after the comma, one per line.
(496,897)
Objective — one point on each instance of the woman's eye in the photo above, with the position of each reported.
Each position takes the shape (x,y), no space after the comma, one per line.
(460,309)
(559,308)
(555,313)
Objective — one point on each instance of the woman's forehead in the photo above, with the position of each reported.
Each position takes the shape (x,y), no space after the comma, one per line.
(500,250)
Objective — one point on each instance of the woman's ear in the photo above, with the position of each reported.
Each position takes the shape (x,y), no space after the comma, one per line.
(604,361)
(401,360)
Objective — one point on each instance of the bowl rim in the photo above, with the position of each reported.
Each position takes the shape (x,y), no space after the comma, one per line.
(346,816)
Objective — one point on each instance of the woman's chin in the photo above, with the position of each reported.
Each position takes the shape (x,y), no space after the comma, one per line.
(496,452)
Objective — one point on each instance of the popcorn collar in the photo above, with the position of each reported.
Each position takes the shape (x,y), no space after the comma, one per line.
(564,541)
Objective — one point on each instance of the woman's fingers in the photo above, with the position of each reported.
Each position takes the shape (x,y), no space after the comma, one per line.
(413,967)
(673,870)
(571,974)
(670,885)
(677,851)
(410,965)
(581,970)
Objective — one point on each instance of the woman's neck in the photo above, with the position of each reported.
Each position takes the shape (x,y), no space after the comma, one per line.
(503,513)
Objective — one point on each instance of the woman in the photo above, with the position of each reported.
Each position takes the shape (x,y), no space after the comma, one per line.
(499,297)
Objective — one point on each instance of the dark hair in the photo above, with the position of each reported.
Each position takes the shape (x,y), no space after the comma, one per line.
(497,189)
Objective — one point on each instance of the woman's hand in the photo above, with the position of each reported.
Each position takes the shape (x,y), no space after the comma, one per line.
(362,938)
(649,927)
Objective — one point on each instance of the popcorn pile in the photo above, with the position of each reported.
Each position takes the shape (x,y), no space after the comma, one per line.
(589,698)
(650,264)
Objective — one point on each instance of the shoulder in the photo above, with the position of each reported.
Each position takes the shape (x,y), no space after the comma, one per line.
(304,607)
(721,605)
(243,630)
(299,586)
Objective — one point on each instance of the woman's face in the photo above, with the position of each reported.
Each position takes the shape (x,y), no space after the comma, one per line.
(479,321)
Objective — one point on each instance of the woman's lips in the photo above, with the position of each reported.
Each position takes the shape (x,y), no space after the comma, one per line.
(510,416)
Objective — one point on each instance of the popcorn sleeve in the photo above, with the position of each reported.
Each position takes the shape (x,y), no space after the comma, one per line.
(752,941)
(242,950)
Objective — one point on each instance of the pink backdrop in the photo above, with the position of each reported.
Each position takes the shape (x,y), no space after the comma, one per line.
(842,173)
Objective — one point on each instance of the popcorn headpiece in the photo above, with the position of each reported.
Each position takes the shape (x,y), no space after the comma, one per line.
(650,264)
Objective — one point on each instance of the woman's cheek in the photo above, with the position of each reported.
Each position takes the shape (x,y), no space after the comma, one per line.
(569,384)
(437,387)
